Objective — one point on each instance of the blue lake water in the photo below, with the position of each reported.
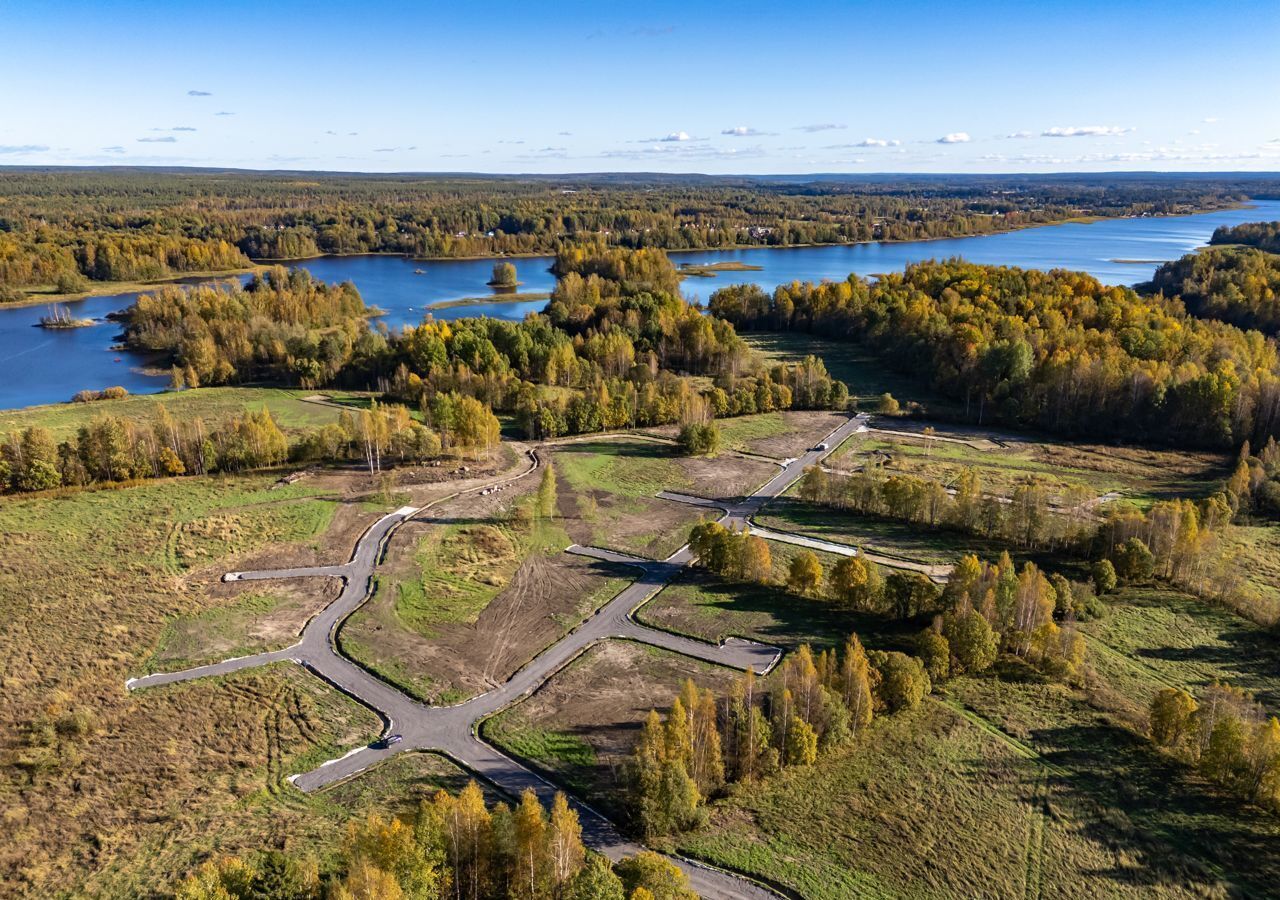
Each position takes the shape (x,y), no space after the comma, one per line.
(39,366)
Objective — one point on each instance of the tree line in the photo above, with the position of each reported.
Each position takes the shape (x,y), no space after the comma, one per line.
(1179,541)
(114,449)
(1053,350)
(816,705)
(1263,235)
(456,847)
(282,325)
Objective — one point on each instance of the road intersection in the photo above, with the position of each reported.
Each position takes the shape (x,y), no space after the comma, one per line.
(454,730)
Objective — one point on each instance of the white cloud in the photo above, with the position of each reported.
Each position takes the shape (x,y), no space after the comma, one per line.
(1085,131)
(199,94)
(823,126)
(1210,120)
(23,148)
(224,113)
(113,149)
(877,142)
(1019,135)
(741,131)
(955,137)
(158,140)
(677,137)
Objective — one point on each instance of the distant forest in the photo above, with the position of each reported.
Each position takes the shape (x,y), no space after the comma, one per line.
(62,229)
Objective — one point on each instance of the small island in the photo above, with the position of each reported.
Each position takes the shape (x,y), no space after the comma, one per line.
(60,317)
(709,270)
(504,277)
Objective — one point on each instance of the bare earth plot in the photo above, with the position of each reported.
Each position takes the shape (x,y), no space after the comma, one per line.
(607,489)
(582,724)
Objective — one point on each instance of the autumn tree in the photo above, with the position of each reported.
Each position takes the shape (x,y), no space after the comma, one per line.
(1171,717)
(804,575)
(546,501)
(973,643)
(656,875)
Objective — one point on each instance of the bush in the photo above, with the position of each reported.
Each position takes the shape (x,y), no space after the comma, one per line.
(69,282)
(699,440)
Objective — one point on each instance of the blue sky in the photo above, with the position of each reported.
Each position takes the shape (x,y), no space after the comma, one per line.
(740,87)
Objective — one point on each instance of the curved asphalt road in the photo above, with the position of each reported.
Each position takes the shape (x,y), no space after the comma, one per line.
(453,730)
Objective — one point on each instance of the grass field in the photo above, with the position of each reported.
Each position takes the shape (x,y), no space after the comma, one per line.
(1001,785)
(741,432)
(287,407)
(1256,549)
(873,533)
(1152,638)
(186,641)
(866,376)
(1141,475)
(91,584)
(461,568)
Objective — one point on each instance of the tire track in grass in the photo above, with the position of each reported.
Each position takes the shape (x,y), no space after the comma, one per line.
(1037,826)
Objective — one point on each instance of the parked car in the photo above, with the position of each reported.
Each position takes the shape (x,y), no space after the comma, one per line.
(822,447)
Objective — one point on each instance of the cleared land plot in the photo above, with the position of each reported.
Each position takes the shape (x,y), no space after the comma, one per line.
(255,622)
(451,659)
(607,487)
(471,593)
(779,435)
(581,725)
(1140,474)
(865,374)
(287,407)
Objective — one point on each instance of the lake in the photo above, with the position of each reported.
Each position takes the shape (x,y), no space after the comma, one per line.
(39,366)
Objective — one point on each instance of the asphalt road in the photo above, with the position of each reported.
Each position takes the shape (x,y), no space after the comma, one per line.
(453,730)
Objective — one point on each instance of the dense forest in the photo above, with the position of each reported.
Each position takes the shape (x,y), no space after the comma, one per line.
(617,347)
(1263,235)
(65,228)
(1054,350)
(1240,285)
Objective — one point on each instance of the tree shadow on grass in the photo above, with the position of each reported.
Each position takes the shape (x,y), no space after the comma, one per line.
(1149,807)
(770,614)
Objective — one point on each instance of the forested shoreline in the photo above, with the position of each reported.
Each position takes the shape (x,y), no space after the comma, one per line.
(71,230)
